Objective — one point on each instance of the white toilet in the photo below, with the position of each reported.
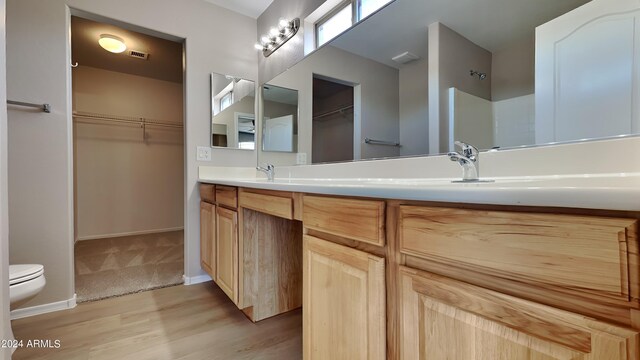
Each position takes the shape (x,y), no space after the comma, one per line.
(25,282)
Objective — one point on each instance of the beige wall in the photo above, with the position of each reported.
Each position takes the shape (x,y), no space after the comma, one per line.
(118,174)
(5,327)
(513,70)
(451,56)
(414,108)
(40,151)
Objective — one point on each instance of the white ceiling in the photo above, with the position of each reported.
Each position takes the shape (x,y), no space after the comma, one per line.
(491,24)
(251,8)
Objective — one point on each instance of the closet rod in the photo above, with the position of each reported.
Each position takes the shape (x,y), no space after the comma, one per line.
(125,120)
(334,112)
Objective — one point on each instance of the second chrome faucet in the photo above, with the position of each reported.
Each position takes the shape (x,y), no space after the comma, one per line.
(269,170)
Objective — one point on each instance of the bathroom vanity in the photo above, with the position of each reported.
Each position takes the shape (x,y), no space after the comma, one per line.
(390,258)
(381,277)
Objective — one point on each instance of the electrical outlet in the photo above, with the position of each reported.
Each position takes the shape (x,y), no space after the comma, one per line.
(301,158)
(203,153)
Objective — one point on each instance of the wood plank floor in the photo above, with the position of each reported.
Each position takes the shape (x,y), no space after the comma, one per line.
(180,322)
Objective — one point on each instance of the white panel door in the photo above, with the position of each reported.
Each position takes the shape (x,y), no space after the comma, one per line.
(278,134)
(587,64)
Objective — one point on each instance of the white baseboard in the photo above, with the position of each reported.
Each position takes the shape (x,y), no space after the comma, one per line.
(44,308)
(192,280)
(131,233)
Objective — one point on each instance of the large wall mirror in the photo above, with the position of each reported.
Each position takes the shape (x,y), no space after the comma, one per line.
(233,120)
(417,75)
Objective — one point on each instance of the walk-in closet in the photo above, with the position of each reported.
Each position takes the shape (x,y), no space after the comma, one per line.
(128,159)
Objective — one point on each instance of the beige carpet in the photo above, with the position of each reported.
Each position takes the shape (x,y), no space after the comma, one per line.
(118,266)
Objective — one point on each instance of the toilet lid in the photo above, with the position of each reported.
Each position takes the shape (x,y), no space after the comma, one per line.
(24,272)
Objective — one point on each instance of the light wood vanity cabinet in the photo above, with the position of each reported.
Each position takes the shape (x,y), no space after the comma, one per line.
(343,302)
(418,280)
(226,254)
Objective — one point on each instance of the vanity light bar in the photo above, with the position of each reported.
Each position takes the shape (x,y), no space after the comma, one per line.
(278,36)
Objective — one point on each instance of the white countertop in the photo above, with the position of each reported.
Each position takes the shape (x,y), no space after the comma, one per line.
(619,191)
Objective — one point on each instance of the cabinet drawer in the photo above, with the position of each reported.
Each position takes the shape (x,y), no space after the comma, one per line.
(594,255)
(227,196)
(446,319)
(208,193)
(361,220)
(267,204)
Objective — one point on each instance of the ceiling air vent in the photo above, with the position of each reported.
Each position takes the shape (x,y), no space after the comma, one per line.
(138,54)
(405,57)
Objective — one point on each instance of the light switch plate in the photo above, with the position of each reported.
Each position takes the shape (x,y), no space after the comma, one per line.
(301,158)
(203,153)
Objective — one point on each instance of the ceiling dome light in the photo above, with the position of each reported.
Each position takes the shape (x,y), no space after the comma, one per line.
(112,43)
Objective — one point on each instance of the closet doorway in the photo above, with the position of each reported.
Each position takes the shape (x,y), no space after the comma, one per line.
(128,122)
(333,123)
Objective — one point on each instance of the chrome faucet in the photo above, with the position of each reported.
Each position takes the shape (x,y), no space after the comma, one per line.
(469,159)
(270,170)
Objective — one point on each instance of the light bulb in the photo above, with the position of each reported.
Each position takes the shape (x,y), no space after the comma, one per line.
(274,32)
(258,46)
(265,40)
(283,24)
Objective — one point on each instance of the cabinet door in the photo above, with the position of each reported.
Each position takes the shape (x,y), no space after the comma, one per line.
(207,237)
(443,318)
(343,302)
(226,254)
